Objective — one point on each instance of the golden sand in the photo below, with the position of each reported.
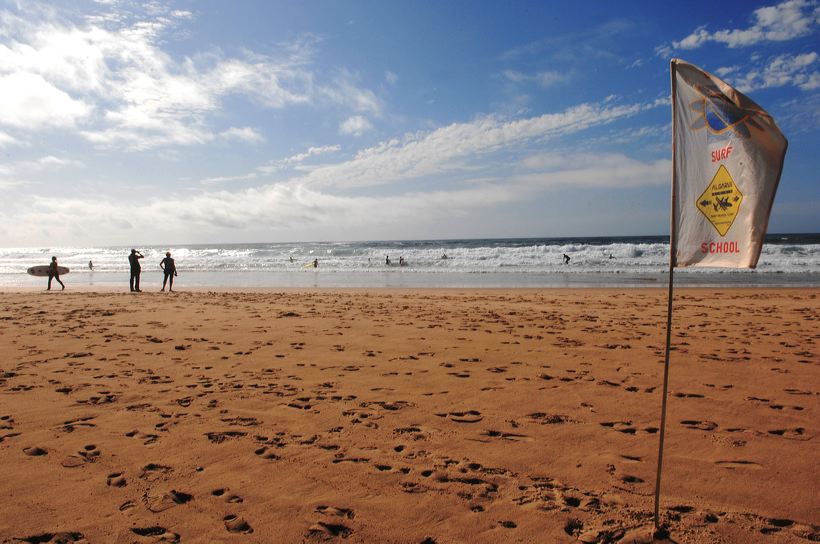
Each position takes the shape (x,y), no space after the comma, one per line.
(436,416)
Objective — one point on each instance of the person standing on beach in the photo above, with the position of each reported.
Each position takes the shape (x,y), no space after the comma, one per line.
(136,269)
(170,271)
(91,266)
(54,274)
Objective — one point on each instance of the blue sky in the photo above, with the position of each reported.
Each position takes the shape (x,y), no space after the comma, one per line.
(209,121)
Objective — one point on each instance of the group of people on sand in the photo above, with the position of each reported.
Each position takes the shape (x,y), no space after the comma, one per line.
(167,265)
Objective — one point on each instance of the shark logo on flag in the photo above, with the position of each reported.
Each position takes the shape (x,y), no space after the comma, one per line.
(728,156)
(719,115)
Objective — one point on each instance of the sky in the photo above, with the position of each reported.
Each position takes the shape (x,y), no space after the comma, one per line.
(132,123)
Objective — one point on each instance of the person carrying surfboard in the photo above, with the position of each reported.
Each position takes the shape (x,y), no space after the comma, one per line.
(170,271)
(136,269)
(54,274)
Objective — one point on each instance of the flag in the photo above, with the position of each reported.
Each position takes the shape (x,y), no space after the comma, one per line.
(728,155)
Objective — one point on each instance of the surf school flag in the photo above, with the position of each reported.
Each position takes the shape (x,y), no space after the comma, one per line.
(728,155)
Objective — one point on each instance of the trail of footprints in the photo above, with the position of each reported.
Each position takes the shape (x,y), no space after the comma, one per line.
(414,469)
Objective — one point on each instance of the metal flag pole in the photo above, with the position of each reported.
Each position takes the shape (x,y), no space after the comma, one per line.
(672,255)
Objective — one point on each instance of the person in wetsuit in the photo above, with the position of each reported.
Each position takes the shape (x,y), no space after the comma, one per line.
(136,269)
(170,271)
(54,274)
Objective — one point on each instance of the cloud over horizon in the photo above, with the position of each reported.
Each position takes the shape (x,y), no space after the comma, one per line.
(144,121)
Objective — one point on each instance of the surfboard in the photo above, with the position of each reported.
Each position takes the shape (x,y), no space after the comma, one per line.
(309,265)
(42,270)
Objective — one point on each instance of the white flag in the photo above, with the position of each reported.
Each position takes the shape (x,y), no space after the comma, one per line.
(728,155)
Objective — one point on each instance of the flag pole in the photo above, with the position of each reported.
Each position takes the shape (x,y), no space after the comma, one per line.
(672,256)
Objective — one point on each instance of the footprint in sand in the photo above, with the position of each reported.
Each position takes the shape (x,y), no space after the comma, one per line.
(167,500)
(468,416)
(221,492)
(550,419)
(153,472)
(89,453)
(219,437)
(631,458)
(116,479)
(699,425)
(73,424)
(512,437)
(156,533)
(265,453)
(620,426)
(335,512)
(34,451)
(794,434)
(324,530)
(237,524)
(148,439)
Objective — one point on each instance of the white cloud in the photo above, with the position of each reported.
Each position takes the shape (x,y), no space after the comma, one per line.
(53,162)
(781,71)
(223,179)
(297,159)
(344,91)
(15,174)
(325,197)
(442,150)
(727,71)
(356,125)
(391,77)
(457,147)
(785,21)
(112,78)
(605,171)
(31,102)
(284,208)
(7,140)
(244,134)
(544,79)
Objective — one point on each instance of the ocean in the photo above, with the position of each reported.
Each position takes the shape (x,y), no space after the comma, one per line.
(787,260)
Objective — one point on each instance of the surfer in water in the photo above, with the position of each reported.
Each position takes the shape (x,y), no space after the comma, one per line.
(170,271)
(387,260)
(566,258)
(315,263)
(136,269)
(91,266)
(54,274)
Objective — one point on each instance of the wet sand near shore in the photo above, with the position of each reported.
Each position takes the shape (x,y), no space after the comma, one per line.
(407,416)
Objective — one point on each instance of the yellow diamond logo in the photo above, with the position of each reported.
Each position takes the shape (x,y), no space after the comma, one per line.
(720,202)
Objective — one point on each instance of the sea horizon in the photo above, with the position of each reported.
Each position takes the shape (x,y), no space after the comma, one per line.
(787,259)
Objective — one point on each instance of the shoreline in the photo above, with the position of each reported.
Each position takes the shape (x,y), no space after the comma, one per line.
(398,415)
(423,280)
(119,290)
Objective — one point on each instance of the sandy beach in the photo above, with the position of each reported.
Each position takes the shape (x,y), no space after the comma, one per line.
(423,416)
